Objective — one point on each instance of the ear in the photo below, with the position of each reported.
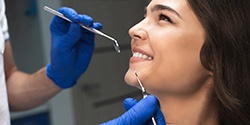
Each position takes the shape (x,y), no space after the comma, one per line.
(210,73)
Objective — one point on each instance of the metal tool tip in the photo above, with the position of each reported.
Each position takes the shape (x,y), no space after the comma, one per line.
(139,81)
(136,73)
(116,45)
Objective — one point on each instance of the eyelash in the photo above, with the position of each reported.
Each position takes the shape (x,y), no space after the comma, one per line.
(165,18)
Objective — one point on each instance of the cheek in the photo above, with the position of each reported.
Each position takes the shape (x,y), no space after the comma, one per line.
(180,80)
(177,67)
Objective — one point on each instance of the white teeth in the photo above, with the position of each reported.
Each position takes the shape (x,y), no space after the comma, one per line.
(139,55)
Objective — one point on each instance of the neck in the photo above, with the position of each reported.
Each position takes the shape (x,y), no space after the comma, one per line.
(195,109)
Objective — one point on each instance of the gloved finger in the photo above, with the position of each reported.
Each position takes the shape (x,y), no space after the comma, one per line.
(97,25)
(59,25)
(72,35)
(159,117)
(86,20)
(86,49)
(141,112)
(129,103)
(69,13)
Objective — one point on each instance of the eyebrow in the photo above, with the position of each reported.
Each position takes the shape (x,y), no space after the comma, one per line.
(159,7)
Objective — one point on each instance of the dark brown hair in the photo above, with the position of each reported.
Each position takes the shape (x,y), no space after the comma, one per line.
(226,52)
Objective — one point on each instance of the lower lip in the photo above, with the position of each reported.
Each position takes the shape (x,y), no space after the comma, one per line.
(135,60)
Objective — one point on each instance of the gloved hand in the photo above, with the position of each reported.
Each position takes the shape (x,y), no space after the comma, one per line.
(139,113)
(71,47)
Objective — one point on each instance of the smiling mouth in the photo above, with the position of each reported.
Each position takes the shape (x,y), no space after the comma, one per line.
(142,56)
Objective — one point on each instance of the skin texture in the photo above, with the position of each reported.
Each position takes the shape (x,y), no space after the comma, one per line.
(173,39)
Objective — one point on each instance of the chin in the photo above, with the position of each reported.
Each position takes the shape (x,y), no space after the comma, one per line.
(130,78)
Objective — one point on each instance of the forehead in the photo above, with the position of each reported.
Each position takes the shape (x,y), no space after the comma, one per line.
(169,2)
(178,5)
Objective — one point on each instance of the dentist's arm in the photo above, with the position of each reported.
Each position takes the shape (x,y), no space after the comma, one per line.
(71,51)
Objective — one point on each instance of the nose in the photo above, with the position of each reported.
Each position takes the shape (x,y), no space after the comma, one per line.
(138,31)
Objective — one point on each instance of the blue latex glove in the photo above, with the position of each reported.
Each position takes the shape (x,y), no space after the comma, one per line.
(139,113)
(71,47)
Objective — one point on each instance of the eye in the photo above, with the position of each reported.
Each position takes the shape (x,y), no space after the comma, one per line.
(164,18)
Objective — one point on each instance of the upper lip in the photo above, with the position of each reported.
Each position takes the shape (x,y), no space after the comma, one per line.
(135,49)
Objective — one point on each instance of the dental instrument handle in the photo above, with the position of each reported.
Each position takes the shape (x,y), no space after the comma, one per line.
(115,43)
(62,16)
(144,94)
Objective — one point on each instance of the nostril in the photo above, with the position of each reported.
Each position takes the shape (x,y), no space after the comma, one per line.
(137,36)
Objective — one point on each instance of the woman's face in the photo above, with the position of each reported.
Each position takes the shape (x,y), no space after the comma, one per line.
(166,47)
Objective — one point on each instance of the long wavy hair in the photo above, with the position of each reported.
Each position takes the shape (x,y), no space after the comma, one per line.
(226,52)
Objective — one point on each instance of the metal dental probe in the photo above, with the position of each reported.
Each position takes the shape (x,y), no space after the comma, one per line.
(115,43)
(144,93)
